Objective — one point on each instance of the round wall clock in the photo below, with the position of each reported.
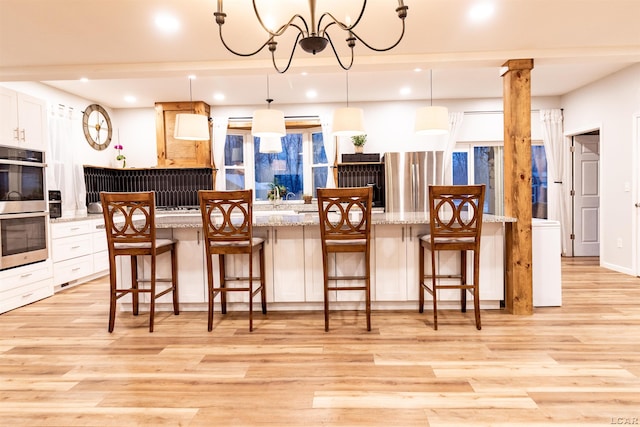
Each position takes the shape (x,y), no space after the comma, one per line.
(96,125)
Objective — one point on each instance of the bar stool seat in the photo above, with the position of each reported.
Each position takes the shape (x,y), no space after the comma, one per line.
(129,220)
(455,224)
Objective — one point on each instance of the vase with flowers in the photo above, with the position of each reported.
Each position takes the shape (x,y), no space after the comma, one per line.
(121,160)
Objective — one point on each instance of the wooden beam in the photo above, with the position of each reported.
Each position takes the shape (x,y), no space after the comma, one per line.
(517,184)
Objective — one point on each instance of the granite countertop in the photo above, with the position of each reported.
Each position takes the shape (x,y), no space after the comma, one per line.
(285,214)
(282,218)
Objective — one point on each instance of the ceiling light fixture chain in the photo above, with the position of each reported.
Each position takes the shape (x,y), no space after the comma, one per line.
(311,38)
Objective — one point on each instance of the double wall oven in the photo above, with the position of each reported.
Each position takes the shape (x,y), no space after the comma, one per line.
(23,207)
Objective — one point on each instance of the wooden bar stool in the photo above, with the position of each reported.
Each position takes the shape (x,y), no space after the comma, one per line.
(455,220)
(129,220)
(345,226)
(227,223)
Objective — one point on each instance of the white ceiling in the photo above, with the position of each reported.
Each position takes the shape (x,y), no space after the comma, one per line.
(117,46)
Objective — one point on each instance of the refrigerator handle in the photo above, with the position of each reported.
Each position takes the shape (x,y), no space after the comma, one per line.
(414,187)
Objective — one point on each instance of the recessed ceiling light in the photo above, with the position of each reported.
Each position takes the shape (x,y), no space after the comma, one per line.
(84,79)
(417,69)
(405,90)
(304,73)
(481,12)
(312,94)
(130,98)
(167,23)
(218,96)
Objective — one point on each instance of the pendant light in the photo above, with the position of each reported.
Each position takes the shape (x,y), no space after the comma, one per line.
(432,120)
(268,123)
(270,144)
(192,126)
(348,121)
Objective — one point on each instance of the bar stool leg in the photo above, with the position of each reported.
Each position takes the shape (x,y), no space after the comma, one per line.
(223,294)
(463,281)
(434,287)
(421,280)
(134,284)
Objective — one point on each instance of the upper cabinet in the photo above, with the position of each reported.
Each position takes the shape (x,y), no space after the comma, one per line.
(23,120)
(176,152)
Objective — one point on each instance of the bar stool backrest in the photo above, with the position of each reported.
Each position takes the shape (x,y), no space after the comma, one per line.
(227,216)
(345,213)
(129,219)
(456,213)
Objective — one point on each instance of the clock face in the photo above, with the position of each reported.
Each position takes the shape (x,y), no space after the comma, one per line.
(96,125)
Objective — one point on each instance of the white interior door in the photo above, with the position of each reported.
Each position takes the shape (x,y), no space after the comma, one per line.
(586,200)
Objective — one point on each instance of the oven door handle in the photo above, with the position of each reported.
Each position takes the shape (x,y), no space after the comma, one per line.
(22,215)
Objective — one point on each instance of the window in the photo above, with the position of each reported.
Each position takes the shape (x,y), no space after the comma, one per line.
(484,164)
(299,169)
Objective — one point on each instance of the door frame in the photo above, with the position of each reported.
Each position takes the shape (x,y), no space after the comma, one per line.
(569,137)
(635,219)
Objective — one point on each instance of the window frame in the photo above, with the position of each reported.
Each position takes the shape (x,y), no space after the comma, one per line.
(306,127)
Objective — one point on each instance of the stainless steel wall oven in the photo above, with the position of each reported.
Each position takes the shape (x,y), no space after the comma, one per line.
(23,207)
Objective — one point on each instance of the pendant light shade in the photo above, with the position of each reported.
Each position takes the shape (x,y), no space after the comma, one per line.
(268,123)
(270,144)
(191,127)
(348,121)
(432,121)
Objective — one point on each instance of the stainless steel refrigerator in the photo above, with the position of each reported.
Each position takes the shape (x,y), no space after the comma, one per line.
(407,177)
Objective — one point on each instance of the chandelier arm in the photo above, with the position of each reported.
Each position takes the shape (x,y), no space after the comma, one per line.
(240,53)
(338,57)
(273,56)
(383,49)
(283,28)
(334,20)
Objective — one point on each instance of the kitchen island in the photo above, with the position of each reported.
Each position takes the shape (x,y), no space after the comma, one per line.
(293,255)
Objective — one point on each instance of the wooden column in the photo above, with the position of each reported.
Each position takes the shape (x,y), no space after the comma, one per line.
(517,184)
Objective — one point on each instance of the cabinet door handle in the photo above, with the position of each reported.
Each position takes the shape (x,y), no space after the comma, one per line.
(403,234)
(25,275)
(24,135)
(27,295)
(17,134)
(267,236)
(411,234)
(198,237)
(75,269)
(275,236)
(75,247)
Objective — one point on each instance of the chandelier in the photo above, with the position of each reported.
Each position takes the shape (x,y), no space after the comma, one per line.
(312,37)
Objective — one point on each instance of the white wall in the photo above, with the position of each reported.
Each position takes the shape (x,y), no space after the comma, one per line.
(609,105)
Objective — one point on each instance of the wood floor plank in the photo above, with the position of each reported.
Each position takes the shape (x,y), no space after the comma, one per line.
(578,364)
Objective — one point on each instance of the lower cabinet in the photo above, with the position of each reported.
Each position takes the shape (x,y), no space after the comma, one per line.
(23,285)
(79,251)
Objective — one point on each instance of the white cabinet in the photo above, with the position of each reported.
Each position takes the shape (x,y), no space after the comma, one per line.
(397,263)
(23,285)
(192,267)
(78,251)
(547,274)
(285,263)
(23,120)
(396,253)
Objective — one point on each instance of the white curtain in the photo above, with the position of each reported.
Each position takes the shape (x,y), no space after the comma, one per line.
(455,122)
(220,125)
(552,127)
(329,147)
(65,171)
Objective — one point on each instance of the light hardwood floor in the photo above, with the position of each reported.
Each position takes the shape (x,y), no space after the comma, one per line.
(574,365)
